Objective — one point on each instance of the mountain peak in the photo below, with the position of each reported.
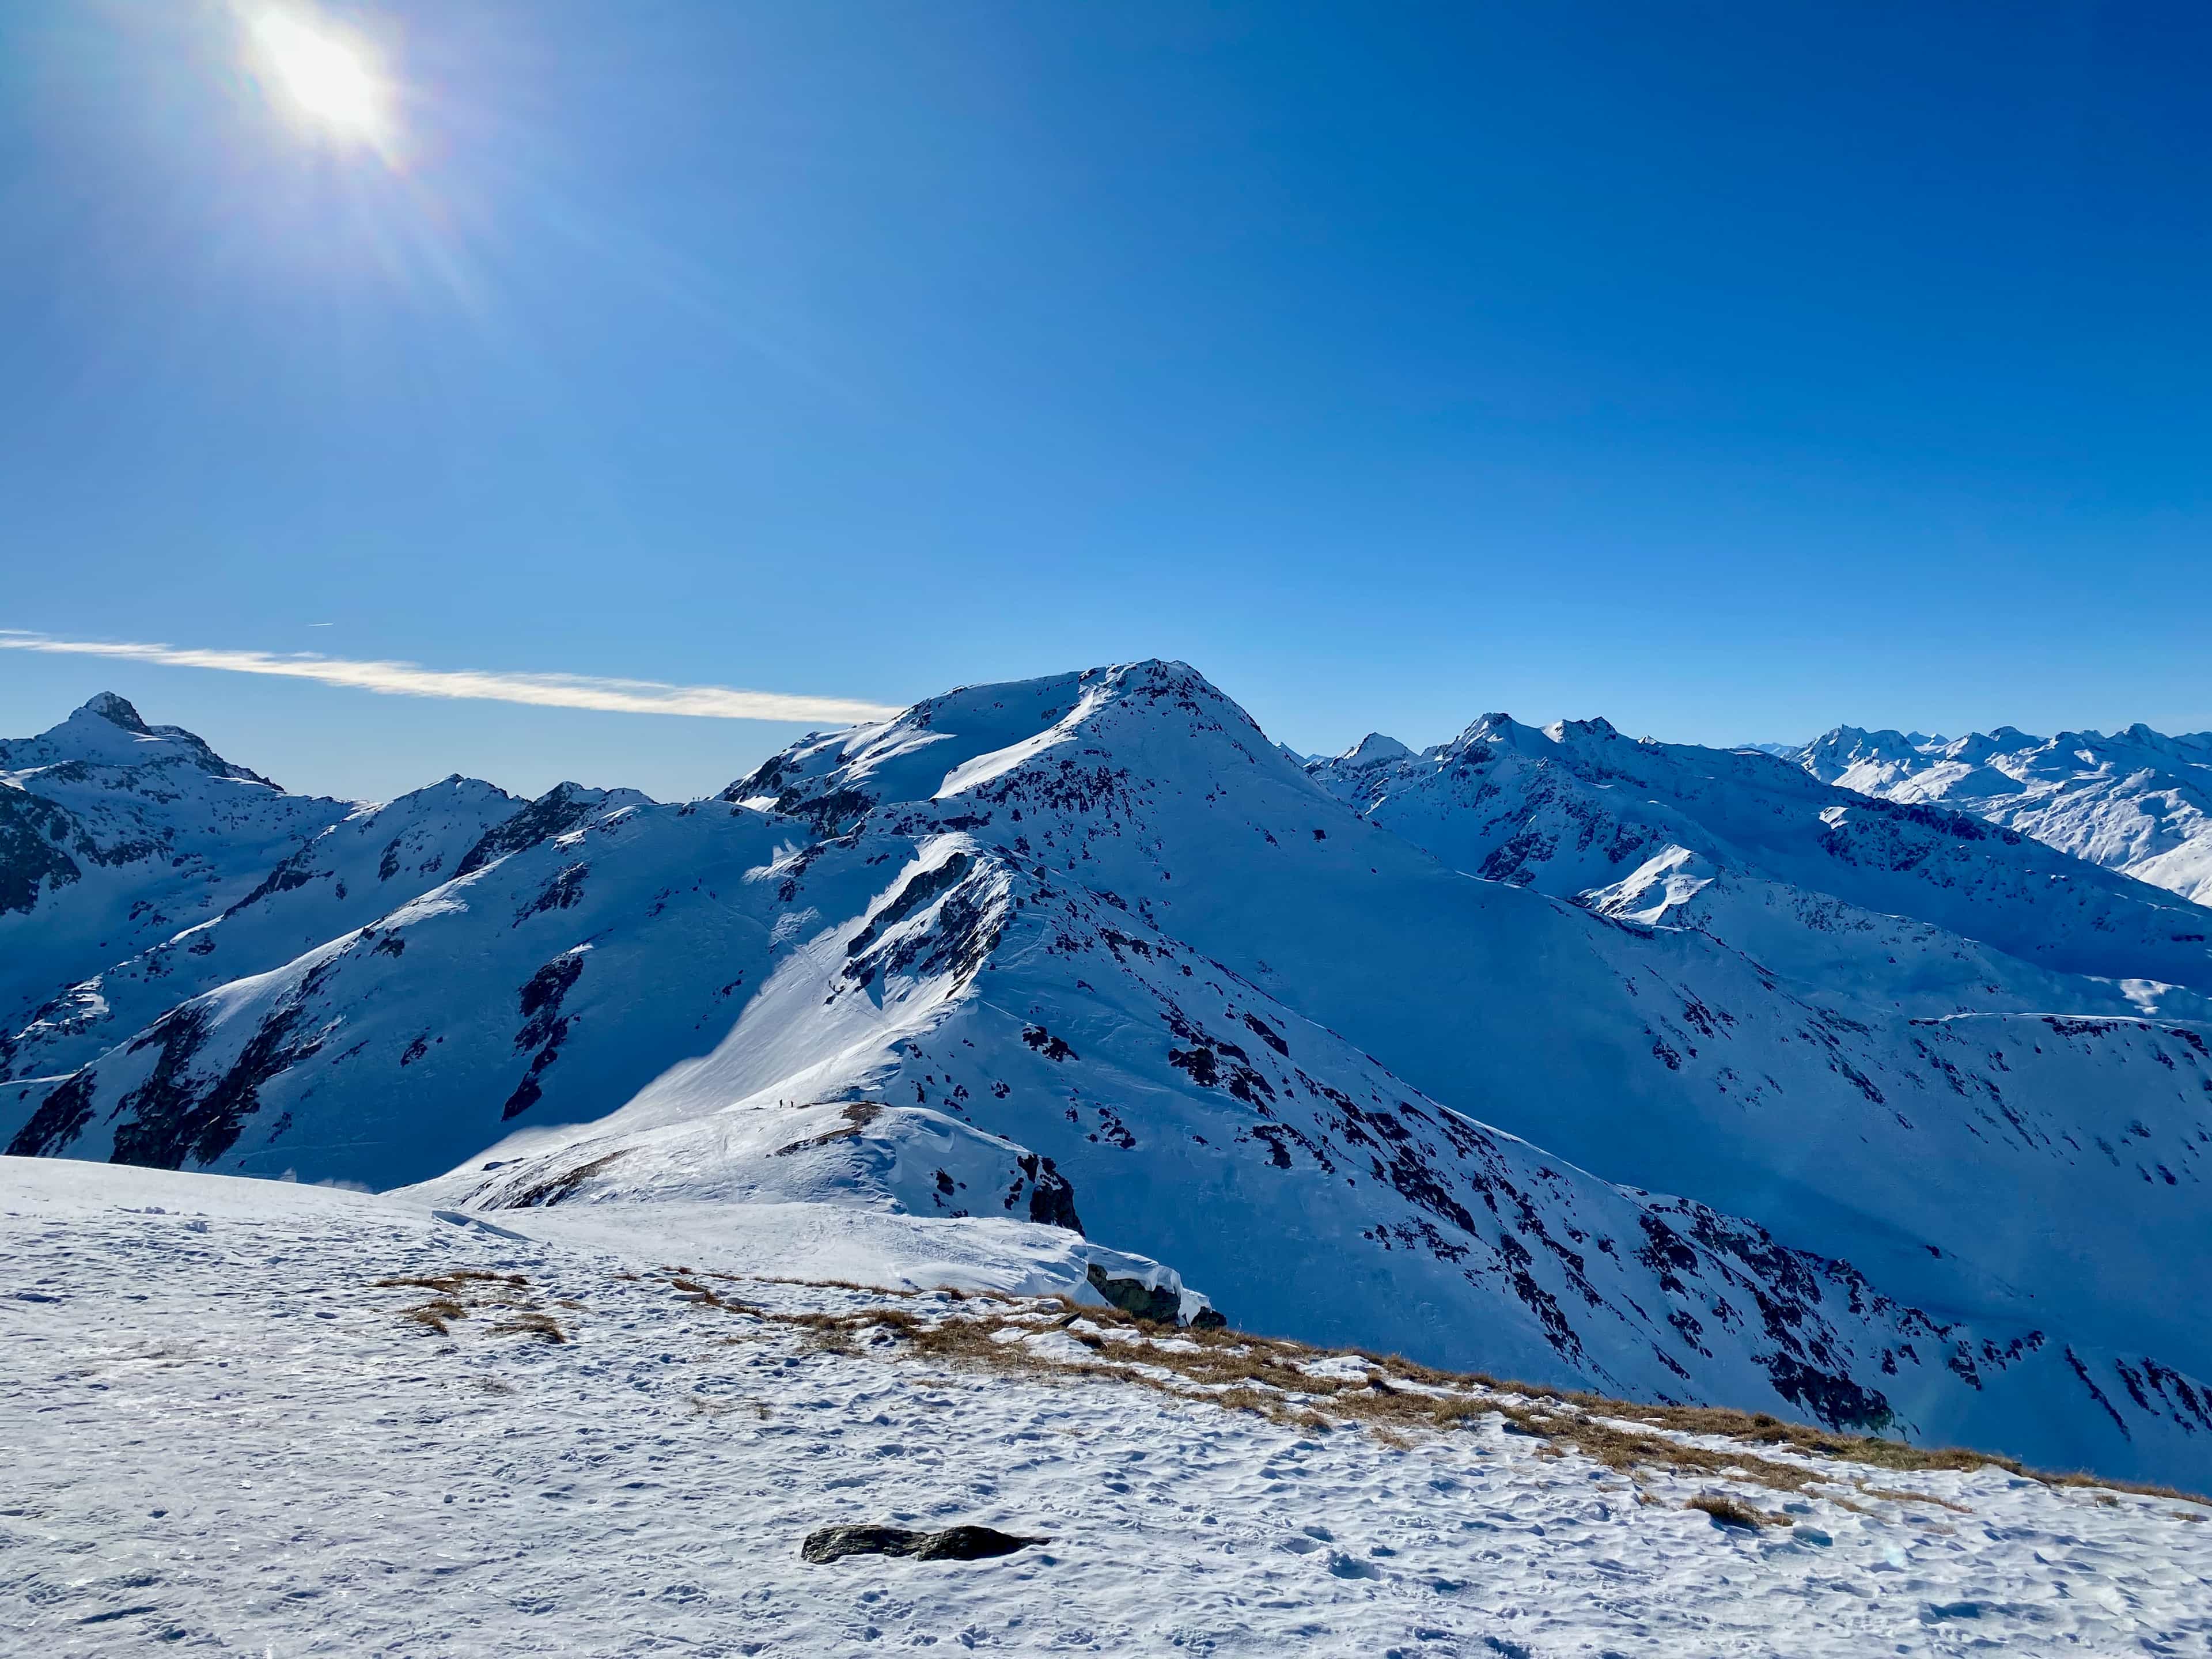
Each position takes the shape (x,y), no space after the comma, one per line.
(1373,749)
(109,707)
(1597,728)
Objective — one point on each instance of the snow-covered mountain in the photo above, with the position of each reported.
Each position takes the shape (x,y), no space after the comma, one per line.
(374,857)
(2136,801)
(1090,950)
(1817,881)
(177,835)
(114,834)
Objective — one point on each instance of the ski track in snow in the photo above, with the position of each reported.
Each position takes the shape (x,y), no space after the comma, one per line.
(224,1438)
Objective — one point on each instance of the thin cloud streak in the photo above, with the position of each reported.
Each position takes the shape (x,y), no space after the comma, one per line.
(407,680)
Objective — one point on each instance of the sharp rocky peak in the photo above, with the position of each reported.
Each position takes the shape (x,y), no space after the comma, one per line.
(1597,728)
(1844,738)
(107,706)
(107,730)
(1374,750)
(1496,727)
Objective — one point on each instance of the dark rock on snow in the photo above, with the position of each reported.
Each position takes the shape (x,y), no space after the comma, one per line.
(827,1544)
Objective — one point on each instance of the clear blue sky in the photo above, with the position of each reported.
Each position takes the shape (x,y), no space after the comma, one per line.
(1730,371)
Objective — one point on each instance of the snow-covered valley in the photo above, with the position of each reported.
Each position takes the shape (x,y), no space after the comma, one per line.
(262,1418)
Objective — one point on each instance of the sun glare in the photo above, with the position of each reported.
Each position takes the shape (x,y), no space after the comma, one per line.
(325,78)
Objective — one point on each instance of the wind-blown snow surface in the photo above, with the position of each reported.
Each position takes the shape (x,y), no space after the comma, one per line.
(1090,950)
(2136,801)
(224,1433)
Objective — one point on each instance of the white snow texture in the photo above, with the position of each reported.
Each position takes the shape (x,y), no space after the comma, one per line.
(226,1435)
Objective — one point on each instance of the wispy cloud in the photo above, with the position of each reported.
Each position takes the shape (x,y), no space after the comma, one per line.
(407,680)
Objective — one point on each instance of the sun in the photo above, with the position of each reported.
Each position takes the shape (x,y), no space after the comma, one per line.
(326,79)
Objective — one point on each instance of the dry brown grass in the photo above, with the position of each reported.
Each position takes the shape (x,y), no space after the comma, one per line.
(1733,1512)
(692,1291)
(464,1280)
(542,1325)
(1261,1374)
(467,1291)
(435,1315)
(1398,1399)
(1760,1429)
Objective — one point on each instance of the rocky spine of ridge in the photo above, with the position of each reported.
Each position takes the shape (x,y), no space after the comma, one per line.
(375,859)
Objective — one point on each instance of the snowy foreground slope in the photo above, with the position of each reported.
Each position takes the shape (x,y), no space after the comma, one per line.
(2136,801)
(236,1425)
(1089,952)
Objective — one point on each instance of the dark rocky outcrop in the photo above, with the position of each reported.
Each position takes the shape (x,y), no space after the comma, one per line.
(563,807)
(828,1543)
(32,836)
(1052,1195)
(1154,1304)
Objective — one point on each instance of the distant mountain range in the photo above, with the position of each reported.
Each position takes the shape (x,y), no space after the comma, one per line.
(2137,801)
(1673,1072)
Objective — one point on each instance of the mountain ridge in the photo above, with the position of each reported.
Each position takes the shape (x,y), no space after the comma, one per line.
(2137,801)
(1093,942)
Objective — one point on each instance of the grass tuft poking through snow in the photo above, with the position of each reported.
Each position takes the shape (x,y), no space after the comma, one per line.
(1734,1511)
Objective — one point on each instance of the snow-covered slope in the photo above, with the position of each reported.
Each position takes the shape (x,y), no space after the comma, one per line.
(1091,946)
(375,859)
(1900,899)
(115,834)
(2136,801)
(147,870)
(284,1419)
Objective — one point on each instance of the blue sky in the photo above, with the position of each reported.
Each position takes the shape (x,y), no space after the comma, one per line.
(1730,371)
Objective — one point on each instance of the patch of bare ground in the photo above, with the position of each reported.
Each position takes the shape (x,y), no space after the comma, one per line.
(1735,1512)
(437,1315)
(532,1322)
(515,1309)
(1915,1497)
(707,1405)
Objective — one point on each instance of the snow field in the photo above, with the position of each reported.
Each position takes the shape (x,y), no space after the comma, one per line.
(226,1434)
